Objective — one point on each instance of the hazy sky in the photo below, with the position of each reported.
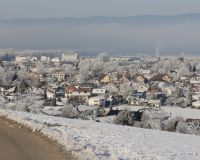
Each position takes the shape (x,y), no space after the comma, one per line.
(82,8)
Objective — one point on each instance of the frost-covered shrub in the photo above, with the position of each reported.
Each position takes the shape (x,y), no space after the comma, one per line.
(100,112)
(189,127)
(148,121)
(69,111)
(142,119)
(171,124)
(125,118)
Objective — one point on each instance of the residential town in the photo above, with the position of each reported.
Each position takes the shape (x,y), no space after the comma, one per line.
(101,87)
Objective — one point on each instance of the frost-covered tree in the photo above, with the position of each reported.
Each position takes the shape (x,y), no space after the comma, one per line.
(125,118)
(103,57)
(85,70)
(171,124)
(40,68)
(110,67)
(184,70)
(22,74)
(2,76)
(125,89)
(69,111)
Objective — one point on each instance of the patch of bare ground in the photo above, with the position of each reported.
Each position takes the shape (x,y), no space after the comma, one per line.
(18,142)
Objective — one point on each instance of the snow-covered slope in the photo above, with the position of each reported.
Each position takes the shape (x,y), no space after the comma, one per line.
(91,140)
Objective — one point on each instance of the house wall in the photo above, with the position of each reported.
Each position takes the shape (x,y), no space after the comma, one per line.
(96,102)
(140,79)
(70,57)
(59,76)
(106,79)
(166,78)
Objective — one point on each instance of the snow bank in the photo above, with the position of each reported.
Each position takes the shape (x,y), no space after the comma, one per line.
(91,140)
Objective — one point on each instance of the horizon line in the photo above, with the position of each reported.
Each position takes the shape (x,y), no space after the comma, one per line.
(98,16)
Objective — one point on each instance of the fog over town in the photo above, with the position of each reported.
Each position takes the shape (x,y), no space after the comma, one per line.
(119,35)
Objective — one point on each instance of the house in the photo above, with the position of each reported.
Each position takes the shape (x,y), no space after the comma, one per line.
(70,89)
(139,94)
(74,92)
(144,71)
(97,102)
(139,78)
(69,57)
(194,80)
(45,59)
(50,93)
(195,97)
(142,88)
(59,74)
(154,103)
(122,79)
(56,60)
(99,91)
(60,92)
(136,101)
(34,75)
(6,90)
(111,88)
(196,104)
(104,79)
(22,59)
(194,89)
(87,86)
(161,78)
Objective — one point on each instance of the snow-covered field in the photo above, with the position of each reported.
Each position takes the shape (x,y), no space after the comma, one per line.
(182,112)
(92,141)
(173,111)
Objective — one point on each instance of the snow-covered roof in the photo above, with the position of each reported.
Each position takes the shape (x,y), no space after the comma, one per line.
(154,101)
(99,91)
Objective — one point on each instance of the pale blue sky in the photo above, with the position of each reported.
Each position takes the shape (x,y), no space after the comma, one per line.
(85,8)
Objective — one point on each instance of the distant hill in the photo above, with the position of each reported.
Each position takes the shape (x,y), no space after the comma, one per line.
(133,20)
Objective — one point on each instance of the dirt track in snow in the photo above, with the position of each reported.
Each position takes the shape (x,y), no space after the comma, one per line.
(19,143)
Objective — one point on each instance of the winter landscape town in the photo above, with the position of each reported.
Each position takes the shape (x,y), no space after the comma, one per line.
(84,99)
(99,80)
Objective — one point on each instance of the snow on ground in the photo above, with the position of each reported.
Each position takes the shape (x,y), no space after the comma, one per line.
(93,141)
(54,111)
(128,107)
(182,112)
(173,111)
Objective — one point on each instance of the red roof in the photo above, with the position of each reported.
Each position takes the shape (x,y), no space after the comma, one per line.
(71,89)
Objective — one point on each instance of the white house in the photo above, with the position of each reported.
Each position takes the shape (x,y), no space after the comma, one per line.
(196,104)
(142,88)
(144,71)
(155,104)
(22,59)
(96,101)
(99,91)
(50,93)
(60,75)
(69,57)
(33,59)
(45,59)
(195,80)
(195,97)
(56,60)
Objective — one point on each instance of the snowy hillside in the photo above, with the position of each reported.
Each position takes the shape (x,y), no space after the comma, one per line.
(91,140)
